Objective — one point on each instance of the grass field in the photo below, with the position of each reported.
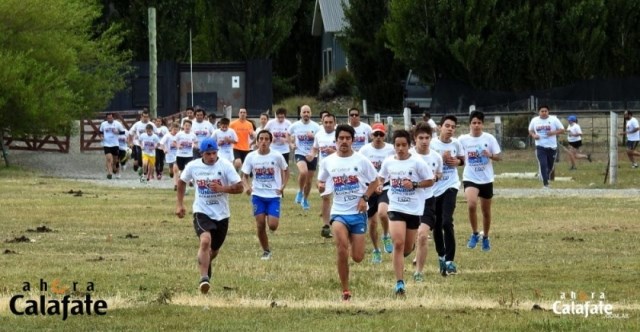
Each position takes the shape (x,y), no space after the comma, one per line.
(141,259)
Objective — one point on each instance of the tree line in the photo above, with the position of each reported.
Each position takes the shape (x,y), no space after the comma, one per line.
(64,59)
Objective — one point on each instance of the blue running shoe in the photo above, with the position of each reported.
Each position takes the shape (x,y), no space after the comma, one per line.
(388,244)
(400,290)
(376,257)
(299,197)
(473,241)
(443,267)
(451,268)
(305,204)
(486,244)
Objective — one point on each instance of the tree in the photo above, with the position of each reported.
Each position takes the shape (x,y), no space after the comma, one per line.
(371,62)
(54,68)
(242,30)
(515,45)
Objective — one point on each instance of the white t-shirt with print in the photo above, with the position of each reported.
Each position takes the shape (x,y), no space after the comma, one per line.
(574,129)
(348,179)
(202,129)
(185,143)
(323,141)
(304,135)
(148,143)
(171,151)
(225,149)
(361,137)
(280,132)
(140,128)
(542,126)
(434,160)
(110,133)
(631,125)
(377,156)
(267,172)
(213,204)
(450,177)
(414,169)
(477,167)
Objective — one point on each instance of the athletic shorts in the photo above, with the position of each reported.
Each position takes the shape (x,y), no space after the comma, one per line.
(373,205)
(355,223)
(122,154)
(266,205)
(428,217)
(485,190)
(218,228)
(412,221)
(576,145)
(286,157)
(112,150)
(181,162)
(240,154)
(384,198)
(632,145)
(311,165)
(196,153)
(149,159)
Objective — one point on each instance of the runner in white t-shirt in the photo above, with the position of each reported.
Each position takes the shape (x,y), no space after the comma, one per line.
(363,130)
(446,193)
(352,178)
(270,176)
(408,175)
(161,131)
(185,141)
(109,132)
(480,150)
(324,144)
(574,137)
(171,151)
(226,138)
(545,130)
(301,135)
(135,131)
(149,141)
(377,151)
(202,128)
(632,131)
(214,179)
(422,138)
(279,128)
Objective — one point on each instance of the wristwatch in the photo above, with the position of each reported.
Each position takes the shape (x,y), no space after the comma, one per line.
(365,198)
(415,184)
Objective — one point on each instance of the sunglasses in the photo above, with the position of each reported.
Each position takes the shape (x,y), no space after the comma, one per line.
(378,134)
(354,114)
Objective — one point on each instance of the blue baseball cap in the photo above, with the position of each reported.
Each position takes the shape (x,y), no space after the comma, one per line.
(572,118)
(208,144)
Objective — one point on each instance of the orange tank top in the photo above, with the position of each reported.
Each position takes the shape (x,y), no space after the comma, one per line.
(243,129)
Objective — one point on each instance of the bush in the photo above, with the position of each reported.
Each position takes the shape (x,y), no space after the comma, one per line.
(517,126)
(335,84)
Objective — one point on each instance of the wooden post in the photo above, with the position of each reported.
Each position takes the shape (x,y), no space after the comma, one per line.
(613,148)
(153,65)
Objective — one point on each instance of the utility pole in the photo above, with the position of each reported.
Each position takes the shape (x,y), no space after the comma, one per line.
(153,65)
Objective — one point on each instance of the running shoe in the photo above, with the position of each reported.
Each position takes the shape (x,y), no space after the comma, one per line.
(376,256)
(418,277)
(109,176)
(473,241)
(204,285)
(451,268)
(305,204)
(266,255)
(346,296)
(400,290)
(486,244)
(159,176)
(326,232)
(299,197)
(443,267)
(388,244)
